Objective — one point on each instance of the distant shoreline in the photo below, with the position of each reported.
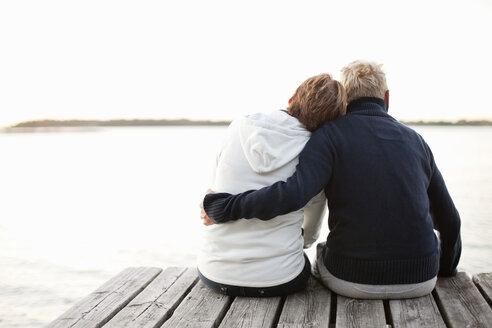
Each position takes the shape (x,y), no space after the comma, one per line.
(188,122)
(118,122)
(449,123)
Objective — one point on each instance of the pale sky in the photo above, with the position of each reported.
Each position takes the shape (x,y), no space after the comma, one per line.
(221,59)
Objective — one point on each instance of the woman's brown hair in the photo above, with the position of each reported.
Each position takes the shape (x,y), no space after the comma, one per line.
(317,100)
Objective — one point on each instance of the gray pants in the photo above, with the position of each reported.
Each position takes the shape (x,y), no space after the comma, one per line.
(362,291)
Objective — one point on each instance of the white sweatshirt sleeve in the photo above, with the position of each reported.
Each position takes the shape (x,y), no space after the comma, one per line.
(314,213)
(227,136)
(214,169)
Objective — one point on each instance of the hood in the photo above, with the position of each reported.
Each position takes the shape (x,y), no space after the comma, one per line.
(270,141)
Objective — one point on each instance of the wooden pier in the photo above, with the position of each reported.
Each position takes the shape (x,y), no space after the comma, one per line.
(174,297)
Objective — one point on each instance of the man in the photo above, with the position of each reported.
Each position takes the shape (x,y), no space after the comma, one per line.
(385,196)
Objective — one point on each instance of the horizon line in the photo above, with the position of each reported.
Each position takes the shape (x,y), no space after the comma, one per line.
(190,122)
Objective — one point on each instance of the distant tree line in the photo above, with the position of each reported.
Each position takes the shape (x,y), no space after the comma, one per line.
(187,122)
(460,122)
(136,122)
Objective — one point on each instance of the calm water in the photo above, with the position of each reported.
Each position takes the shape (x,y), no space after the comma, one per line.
(78,207)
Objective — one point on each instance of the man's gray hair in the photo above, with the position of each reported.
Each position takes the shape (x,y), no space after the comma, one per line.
(363,79)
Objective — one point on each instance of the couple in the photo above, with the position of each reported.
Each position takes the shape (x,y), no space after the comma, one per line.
(385,198)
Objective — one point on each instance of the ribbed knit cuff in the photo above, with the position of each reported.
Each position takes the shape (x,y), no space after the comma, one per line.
(214,205)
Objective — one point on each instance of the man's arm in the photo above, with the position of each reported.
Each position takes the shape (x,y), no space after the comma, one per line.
(447,221)
(312,175)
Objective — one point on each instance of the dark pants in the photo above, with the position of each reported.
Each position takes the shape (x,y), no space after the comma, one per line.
(295,285)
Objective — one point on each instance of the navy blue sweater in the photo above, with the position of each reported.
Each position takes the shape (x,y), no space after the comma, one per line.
(385,197)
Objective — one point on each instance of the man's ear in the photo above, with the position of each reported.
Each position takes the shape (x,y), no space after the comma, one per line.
(387,99)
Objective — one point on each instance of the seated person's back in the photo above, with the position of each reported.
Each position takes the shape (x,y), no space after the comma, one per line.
(259,150)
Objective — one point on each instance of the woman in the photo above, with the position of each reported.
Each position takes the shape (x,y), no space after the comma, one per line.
(265,258)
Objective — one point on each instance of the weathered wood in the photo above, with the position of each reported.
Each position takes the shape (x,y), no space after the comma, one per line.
(252,312)
(359,313)
(202,308)
(157,302)
(461,303)
(484,283)
(308,308)
(147,297)
(416,313)
(100,306)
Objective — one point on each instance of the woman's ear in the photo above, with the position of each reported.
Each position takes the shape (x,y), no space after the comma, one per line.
(290,100)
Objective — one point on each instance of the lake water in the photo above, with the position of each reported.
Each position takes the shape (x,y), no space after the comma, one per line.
(77,207)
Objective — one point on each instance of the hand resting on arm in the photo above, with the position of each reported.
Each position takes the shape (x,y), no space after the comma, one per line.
(203,216)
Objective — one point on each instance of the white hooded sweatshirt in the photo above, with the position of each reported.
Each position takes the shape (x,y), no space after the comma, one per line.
(259,150)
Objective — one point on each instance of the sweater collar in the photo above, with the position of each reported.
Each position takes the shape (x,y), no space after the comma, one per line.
(368,106)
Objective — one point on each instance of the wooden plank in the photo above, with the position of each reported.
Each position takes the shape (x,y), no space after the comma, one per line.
(100,306)
(483,281)
(359,313)
(252,312)
(461,303)
(308,308)
(157,301)
(416,313)
(202,308)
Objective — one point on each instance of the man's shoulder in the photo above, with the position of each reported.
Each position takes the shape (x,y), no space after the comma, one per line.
(409,130)
(342,124)
(332,132)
